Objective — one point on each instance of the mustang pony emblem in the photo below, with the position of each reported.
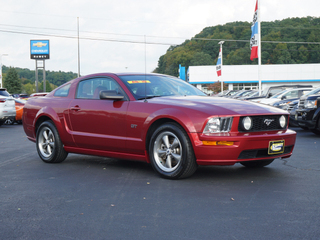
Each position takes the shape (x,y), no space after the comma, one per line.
(268,121)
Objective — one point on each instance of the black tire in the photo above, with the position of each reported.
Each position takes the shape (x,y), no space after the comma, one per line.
(9,121)
(49,145)
(171,152)
(257,164)
(1,122)
(317,129)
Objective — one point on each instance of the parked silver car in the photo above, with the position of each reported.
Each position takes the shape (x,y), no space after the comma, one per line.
(7,106)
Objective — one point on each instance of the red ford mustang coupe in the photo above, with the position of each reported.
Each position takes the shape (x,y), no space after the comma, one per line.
(155,118)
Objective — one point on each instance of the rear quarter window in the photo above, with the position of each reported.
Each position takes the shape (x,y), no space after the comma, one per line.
(63,91)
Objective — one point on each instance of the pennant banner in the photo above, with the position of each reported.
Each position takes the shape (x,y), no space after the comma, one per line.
(254,35)
(219,63)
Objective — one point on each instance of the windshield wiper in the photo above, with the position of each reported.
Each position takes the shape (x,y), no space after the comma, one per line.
(149,96)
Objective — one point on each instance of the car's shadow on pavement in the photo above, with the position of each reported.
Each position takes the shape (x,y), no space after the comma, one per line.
(235,172)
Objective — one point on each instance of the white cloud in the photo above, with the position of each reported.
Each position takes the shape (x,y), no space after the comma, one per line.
(170,21)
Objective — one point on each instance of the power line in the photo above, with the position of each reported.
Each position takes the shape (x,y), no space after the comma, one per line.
(91,32)
(87,38)
(139,42)
(232,40)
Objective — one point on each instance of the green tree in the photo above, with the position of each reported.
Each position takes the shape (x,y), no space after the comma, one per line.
(200,59)
(48,86)
(303,55)
(281,55)
(12,82)
(29,88)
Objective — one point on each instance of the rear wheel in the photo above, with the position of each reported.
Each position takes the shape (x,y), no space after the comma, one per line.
(171,152)
(49,145)
(257,164)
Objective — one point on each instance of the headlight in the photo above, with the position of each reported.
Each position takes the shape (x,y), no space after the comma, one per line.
(217,125)
(283,121)
(310,104)
(247,123)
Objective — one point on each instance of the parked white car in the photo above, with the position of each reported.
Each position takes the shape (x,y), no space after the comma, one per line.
(285,95)
(7,106)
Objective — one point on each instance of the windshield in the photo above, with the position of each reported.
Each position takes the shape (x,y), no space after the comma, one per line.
(279,93)
(252,94)
(148,86)
(313,92)
(4,93)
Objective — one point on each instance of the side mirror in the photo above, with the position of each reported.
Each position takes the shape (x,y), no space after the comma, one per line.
(283,97)
(111,95)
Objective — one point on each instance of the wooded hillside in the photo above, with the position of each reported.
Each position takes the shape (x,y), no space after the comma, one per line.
(28,76)
(289,41)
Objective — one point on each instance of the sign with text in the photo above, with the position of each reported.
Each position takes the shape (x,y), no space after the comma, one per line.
(39,49)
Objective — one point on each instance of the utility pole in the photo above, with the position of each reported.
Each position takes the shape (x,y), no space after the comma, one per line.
(221,43)
(78,47)
(1,83)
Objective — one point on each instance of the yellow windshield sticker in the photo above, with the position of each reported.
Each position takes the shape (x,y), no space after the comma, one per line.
(139,81)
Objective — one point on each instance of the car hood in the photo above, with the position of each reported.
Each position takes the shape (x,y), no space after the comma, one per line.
(270,101)
(217,106)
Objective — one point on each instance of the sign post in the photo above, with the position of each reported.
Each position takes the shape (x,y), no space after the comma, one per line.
(40,51)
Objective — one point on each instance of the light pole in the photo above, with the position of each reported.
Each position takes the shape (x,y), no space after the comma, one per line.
(1,85)
(221,43)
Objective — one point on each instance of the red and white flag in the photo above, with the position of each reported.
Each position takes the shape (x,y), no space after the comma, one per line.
(254,41)
(219,63)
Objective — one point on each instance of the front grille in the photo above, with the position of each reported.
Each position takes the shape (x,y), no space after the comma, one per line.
(301,103)
(261,153)
(263,123)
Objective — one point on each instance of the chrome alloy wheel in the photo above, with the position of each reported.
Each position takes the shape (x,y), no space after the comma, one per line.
(167,151)
(46,142)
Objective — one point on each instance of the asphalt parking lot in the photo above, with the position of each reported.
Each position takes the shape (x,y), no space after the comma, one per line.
(89,197)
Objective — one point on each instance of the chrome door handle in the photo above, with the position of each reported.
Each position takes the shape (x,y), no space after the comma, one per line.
(75,108)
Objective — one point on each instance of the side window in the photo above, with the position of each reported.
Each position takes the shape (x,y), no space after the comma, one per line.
(62,92)
(90,88)
(291,94)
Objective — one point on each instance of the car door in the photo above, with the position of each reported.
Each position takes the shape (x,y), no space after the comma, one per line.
(98,123)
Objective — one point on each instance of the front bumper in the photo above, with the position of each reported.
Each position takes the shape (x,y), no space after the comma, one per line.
(246,147)
(304,118)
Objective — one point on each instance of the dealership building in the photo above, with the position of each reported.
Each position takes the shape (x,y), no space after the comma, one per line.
(247,76)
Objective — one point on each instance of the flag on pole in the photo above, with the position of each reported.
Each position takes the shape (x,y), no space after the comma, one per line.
(254,41)
(219,63)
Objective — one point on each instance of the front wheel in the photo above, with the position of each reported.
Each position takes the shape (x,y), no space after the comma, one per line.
(49,145)
(9,121)
(171,153)
(317,129)
(257,164)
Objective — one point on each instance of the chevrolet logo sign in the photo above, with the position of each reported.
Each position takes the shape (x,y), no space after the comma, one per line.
(39,44)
